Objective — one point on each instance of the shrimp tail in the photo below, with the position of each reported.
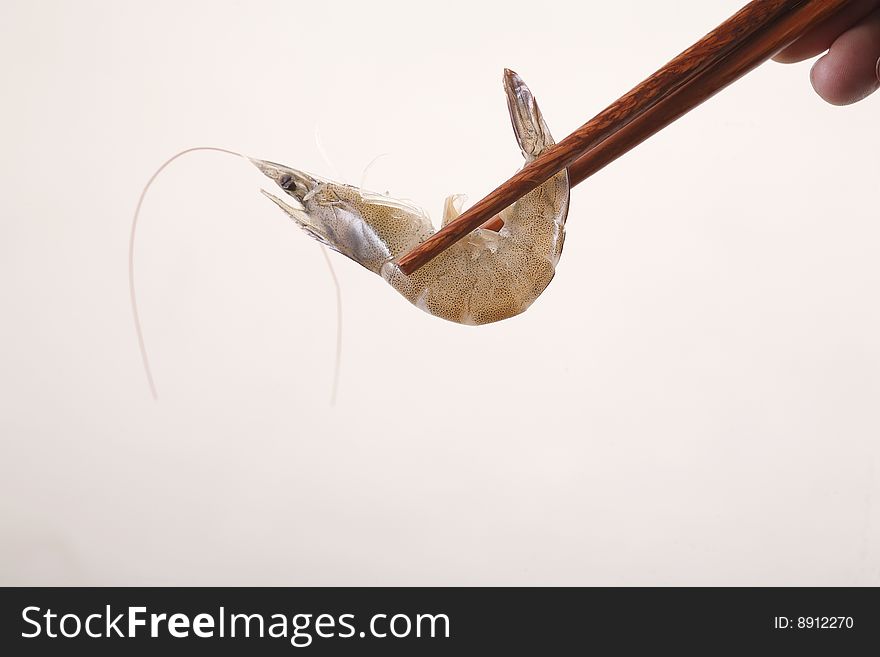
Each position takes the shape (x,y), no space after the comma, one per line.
(528,123)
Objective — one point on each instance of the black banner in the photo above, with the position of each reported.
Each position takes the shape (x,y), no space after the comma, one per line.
(422,621)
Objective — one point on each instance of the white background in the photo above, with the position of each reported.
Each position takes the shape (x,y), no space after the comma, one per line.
(694,400)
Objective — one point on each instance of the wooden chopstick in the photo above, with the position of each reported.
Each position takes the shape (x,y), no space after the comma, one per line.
(750,37)
(748,56)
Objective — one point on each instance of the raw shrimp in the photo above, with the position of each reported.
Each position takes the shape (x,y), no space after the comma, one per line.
(487,276)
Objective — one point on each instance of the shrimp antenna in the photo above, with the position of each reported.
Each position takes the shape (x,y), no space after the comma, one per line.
(370,166)
(133,294)
(338,362)
(134,224)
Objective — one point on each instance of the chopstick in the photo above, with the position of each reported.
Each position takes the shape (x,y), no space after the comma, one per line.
(748,56)
(753,35)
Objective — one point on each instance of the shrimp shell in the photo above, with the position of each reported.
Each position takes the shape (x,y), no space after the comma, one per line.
(485,277)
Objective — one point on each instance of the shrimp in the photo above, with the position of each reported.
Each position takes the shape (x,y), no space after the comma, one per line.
(486,277)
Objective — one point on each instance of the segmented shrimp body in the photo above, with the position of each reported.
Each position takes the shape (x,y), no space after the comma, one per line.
(487,276)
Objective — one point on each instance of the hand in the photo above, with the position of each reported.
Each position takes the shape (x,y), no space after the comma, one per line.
(851,69)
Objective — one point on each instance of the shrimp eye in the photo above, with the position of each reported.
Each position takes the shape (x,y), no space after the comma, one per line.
(286,182)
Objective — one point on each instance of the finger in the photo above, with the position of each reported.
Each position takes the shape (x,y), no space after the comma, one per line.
(848,73)
(820,38)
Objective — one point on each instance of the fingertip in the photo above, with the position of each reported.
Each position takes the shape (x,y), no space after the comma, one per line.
(837,84)
(822,79)
(828,83)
